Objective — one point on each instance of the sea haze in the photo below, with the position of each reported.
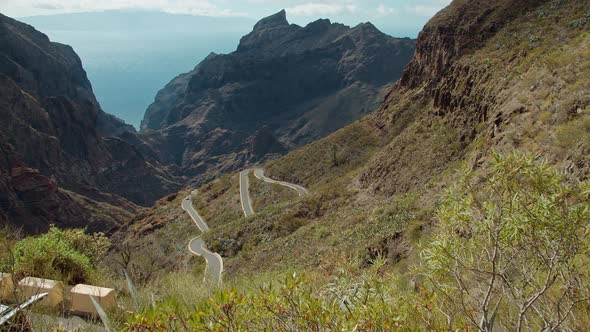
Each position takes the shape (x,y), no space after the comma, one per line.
(130,56)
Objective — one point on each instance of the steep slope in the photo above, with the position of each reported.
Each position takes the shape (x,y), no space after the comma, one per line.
(53,126)
(487,76)
(283,87)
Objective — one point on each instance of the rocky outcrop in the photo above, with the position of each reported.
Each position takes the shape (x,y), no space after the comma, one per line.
(283,87)
(463,25)
(53,126)
(465,85)
(32,202)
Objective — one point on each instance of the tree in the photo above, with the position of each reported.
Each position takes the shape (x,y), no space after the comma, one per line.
(511,248)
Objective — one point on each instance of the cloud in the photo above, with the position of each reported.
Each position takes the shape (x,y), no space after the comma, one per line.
(321,9)
(383,11)
(47,6)
(427,10)
(351,10)
(194,7)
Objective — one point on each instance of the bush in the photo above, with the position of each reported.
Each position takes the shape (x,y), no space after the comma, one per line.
(511,250)
(575,132)
(346,304)
(69,256)
(398,214)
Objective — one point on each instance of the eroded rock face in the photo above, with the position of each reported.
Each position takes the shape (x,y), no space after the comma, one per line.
(32,202)
(53,127)
(463,25)
(285,86)
(442,84)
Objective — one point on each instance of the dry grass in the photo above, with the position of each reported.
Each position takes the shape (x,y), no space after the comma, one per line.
(265,195)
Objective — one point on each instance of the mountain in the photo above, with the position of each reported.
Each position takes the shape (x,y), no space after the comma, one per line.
(59,150)
(283,87)
(138,51)
(487,77)
(461,203)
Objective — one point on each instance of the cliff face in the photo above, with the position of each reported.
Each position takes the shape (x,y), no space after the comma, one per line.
(462,26)
(487,75)
(53,126)
(32,202)
(285,86)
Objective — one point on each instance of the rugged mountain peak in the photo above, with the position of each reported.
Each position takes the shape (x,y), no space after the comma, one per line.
(320,24)
(272,21)
(367,26)
(266,31)
(299,83)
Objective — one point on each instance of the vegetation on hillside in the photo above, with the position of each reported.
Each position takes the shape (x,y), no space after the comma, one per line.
(266,195)
(218,201)
(155,241)
(392,236)
(510,251)
(379,194)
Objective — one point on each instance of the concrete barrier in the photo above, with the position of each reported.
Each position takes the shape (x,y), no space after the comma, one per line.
(80,298)
(30,286)
(6,286)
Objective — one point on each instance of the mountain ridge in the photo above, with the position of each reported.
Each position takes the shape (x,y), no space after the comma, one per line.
(284,86)
(467,94)
(63,143)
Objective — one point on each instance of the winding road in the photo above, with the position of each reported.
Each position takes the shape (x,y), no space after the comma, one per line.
(245,193)
(259,173)
(197,246)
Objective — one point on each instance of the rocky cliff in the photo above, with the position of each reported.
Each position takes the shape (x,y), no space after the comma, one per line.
(487,76)
(53,128)
(283,87)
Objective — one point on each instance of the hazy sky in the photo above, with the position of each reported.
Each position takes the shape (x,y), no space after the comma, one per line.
(399,17)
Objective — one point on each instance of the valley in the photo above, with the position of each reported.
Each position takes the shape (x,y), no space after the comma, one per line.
(338,179)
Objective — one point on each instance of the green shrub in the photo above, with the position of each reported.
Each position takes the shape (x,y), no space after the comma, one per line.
(68,255)
(511,250)
(346,304)
(575,132)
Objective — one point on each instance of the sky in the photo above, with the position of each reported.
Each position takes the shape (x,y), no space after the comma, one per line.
(403,18)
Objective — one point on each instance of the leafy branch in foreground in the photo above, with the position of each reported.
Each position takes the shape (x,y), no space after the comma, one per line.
(511,249)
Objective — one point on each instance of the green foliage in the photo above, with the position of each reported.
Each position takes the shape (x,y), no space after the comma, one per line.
(346,304)
(398,214)
(93,246)
(576,131)
(68,255)
(511,249)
